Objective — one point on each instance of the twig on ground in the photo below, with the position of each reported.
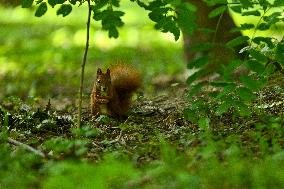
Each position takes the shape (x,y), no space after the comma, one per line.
(27,147)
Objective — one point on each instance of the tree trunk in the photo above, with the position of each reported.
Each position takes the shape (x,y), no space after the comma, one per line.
(219,37)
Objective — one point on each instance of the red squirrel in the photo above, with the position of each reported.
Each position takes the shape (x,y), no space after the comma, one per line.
(112,91)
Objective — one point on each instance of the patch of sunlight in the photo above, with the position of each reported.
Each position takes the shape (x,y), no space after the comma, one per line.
(169,37)
(134,15)
(101,40)
(15,15)
(79,38)
(8,66)
(130,37)
(61,38)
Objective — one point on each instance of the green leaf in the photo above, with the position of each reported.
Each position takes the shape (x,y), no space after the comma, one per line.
(65,9)
(250,83)
(196,89)
(233,65)
(97,15)
(217,11)
(52,3)
(229,69)
(203,123)
(55,2)
(224,107)
(221,84)
(263,26)
(27,3)
(73,2)
(278,3)
(155,4)
(191,7)
(245,26)
(243,109)
(190,115)
(255,66)
(186,20)
(198,62)
(251,13)
(227,90)
(38,2)
(41,10)
(279,53)
(264,4)
(266,40)
(200,73)
(168,24)
(273,18)
(114,3)
(237,41)
(246,4)
(110,21)
(236,9)
(246,94)
(258,55)
(99,4)
(113,32)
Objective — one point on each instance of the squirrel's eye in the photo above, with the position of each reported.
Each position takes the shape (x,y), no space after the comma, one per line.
(99,81)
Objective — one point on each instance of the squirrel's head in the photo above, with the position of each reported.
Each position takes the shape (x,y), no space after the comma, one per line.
(103,81)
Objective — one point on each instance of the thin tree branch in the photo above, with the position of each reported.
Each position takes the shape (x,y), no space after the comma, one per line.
(27,147)
(83,66)
(217,27)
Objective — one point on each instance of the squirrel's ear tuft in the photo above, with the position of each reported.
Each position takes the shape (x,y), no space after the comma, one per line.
(108,71)
(99,71)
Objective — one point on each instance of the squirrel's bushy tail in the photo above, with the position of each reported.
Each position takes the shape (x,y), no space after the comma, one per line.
(125,79)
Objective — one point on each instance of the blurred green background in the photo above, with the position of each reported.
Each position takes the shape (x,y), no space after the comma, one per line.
(41,57)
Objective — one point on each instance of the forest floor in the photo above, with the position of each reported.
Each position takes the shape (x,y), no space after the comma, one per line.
(149,120)
(155,139)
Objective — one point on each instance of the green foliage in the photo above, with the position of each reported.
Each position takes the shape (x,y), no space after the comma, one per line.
(213,156)
(85,131)
(169,16)
(64,148)
(236,92)
(110,173)
(110,20)
(18,168)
